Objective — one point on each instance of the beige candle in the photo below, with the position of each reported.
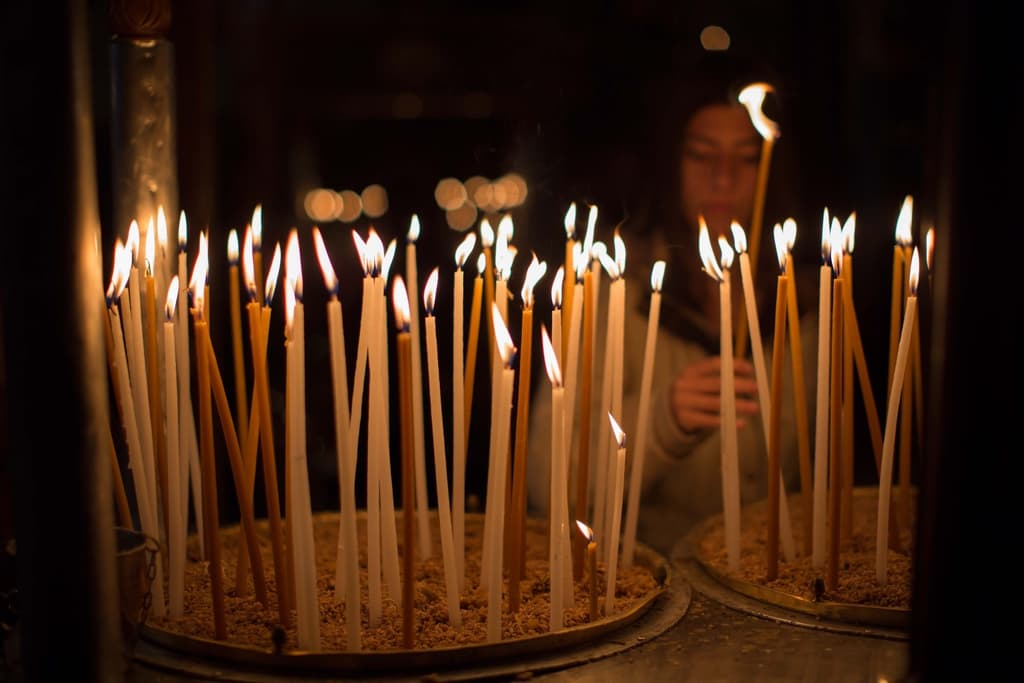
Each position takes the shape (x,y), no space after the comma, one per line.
(835,421)
(570,268)
(557,507)
(774,422)
(616,516)
(459,410)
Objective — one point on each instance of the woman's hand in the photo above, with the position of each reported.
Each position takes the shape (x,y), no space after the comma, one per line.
(695,394)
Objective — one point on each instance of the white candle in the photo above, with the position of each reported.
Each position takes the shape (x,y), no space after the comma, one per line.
(557,506)
(440,453)
(365,329)
(889,442)
(821,433)
(616,518)
(346,581)
(176,526)
(729,455)
(307,605)
(572,355)
(419,454)
(643,416)
(499,462)
(604,452)
(459,411)
(389,525)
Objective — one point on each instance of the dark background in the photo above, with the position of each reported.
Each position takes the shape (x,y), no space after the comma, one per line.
(277,98)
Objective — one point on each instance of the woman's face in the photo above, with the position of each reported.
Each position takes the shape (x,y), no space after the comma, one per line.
(721,151)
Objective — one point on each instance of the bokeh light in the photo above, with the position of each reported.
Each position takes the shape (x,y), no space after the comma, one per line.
(450,194)
(375,201)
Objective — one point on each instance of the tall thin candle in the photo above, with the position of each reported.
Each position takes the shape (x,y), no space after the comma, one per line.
(175,522)
(459,409)
(568,283)
(557,507)
(822,399)
(419,452)
(616,517)
(237,354)
(400,300)
(586,377)
(774,424)
(835,422)
(156,411)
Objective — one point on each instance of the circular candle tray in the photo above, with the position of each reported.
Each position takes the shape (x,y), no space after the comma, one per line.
(659,610)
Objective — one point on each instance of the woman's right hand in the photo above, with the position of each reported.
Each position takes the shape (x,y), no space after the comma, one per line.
(695,394)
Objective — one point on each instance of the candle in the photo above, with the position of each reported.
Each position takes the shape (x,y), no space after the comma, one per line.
(498,464)
(774,424)
(752,97)
(643,416)
(586,375)
(888,444)
(474,336)
(588,537)
(602,459)
(617,303)
(727,394)
(822,399)
(569,267)
(557,289)
(257,245)
(300,514)
(486,243)
(346,584)
(557,507)
(400,300)
(459,410)
(460,471)
(176,526)
(835,412)
(389,533)
(517,532)
(419,452)
(374,256)
(903,238)
(209,480)
(572,354)
(241,393)
(440,453)
(613,537)
(156,412)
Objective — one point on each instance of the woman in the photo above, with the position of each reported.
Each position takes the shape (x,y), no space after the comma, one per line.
(704,158)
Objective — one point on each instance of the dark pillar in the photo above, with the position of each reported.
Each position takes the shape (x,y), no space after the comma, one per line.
(54,347)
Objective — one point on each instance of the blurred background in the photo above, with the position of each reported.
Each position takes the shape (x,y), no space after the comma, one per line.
(358,114)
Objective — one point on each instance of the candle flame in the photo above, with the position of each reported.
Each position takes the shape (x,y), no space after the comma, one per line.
(849,228)
(609,265)
(132,241)
(182,231)
(400,302)
(414,229)
(752,97)
(361,253)
(707,254)
(324,259)
(481,264)
(504,262)
(915,270)
(550,359)
(620,252)
(657,275)
(150,250)
(233,248)
(789,230)
(588,239)
(570,222)
(117,276)
(430,293)
(375,251)
(620,436)
(929,246)
(826,248)
(248,264)
(486,233)
(257,227)
(502,338)
(739,236)
(125,267)
(270,284)
(293,263)
(903,235)
(506,228)
(161,227)
(598,251)
(728,255)
(556,287)
(172,299)
(534,272)
(835,240)
(781,248)
(197,283)
(464,249)
(388,259)
(579,261)
(588,533)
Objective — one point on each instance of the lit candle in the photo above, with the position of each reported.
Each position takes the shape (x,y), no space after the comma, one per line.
(613,536)
(209,483)
(903,239)
(557,288)
(517,532)
(176,526)
(498,463)
(888,444)
(643,416)
(374,253)
(571,374)
(774,423)
(440,452)
(586,376)
(257,244)
(241,393)
(727,396)
(588,537)
(602,456)
(300,517)
(347,563)
(822,399)
(486,243)
(419,452)
(752,97)
(389,533)
(835,421)
(459,411)
(400,300)
(558,508)
(569,266)
(474,336)
(156,411)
